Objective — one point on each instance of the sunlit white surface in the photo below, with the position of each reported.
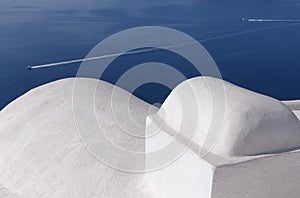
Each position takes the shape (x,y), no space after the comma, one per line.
(41,154)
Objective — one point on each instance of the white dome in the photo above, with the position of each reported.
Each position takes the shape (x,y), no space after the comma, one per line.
(41,154)
(229,120)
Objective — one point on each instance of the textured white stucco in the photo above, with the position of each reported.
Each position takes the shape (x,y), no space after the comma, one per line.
(258,144)
(41,153)
(273,176)
(295,106)
(214,176)
(253,123)
(297,113)
(185,174)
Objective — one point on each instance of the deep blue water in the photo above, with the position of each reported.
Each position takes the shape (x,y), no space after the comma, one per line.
(266,61)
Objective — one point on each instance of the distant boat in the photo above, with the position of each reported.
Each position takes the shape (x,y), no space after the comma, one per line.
(244,19)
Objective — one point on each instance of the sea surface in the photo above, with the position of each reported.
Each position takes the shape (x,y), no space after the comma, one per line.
(261,56)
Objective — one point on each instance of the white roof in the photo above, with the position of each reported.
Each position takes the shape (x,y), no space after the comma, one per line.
(232,121)
(41,152)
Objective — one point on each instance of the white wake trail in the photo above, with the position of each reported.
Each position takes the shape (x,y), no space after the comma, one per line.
(269,20)
(162,47)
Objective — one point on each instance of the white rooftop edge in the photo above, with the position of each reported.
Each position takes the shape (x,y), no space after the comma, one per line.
(256,152)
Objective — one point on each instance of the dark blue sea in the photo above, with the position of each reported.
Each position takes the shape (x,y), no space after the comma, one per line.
(37,32)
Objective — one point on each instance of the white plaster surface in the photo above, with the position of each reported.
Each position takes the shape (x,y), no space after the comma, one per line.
(213,176)
(271,176)
(257,163)
(253,123)
(295,106)
(185,174)
(297,113)
(41,154)
(4,193)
